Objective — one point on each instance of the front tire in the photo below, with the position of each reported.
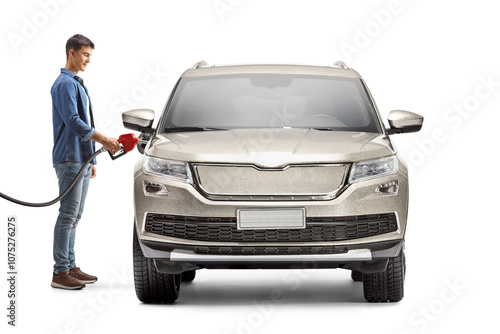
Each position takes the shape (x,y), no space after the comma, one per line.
(387,286)
(151,286)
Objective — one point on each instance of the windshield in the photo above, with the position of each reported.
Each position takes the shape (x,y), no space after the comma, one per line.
(270,101)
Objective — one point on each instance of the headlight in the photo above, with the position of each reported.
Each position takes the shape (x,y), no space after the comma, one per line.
(370,169)
(176,170)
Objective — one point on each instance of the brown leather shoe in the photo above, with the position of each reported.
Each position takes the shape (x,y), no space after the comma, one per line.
(66,280)
(86,278)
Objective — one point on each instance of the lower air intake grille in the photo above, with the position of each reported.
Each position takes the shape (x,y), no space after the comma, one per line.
(223,229)
(269,250)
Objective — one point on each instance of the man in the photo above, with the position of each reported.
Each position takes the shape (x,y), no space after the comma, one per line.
(74,143)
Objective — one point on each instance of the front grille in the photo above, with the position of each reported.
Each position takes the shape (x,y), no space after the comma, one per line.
(229,182)
(223,229)
(269,250)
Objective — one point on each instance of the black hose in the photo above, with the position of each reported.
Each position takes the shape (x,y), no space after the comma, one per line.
(39,205)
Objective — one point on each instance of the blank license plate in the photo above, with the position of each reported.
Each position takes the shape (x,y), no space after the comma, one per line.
(271,219)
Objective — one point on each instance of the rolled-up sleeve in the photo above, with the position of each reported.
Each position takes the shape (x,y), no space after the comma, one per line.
(64,97)
(89,135)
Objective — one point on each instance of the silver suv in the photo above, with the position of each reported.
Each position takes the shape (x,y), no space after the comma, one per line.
(269,166)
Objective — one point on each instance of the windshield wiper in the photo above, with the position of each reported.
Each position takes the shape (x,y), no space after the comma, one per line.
(191,129)
(324,129)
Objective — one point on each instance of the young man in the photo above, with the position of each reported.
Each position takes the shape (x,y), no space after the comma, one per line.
(74,143)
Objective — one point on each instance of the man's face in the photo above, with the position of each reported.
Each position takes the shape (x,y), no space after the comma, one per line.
(81,58)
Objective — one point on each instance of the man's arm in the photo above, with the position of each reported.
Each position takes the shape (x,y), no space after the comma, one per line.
(64,98)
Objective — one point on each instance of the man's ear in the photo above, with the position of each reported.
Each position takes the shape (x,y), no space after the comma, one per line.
(71,53)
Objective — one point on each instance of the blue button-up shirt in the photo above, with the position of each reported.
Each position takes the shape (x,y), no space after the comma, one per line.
(72,128)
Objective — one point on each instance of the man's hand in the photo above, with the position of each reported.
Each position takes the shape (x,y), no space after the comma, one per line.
(110,144)
(93,172)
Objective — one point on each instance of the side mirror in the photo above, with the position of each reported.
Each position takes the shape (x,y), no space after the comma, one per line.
(139,120)
(402,121)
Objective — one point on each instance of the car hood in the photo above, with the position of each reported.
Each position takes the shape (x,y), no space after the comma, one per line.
(270,148)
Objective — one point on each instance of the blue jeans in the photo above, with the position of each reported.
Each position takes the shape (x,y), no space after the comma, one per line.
(70,213)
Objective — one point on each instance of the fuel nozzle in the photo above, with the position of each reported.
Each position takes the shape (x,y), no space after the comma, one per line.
(128,142)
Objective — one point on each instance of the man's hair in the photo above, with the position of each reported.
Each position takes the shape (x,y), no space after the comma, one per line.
(75,42)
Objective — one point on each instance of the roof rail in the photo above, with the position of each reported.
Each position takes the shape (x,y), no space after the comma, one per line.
(199,64)
(341,64)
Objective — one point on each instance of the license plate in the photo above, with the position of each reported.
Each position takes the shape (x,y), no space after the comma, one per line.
(271,219)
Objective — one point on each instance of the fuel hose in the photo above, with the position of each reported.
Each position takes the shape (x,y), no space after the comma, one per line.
(39,205)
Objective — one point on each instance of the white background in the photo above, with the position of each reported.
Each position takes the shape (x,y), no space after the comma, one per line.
(429,58)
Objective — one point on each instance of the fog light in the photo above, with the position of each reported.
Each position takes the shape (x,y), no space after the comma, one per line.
(153,188)
(390,188)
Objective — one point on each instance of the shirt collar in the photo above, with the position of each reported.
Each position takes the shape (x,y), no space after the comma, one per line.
(71,74)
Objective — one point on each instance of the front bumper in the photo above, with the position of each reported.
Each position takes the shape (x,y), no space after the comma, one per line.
(178,245)
(366,258)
